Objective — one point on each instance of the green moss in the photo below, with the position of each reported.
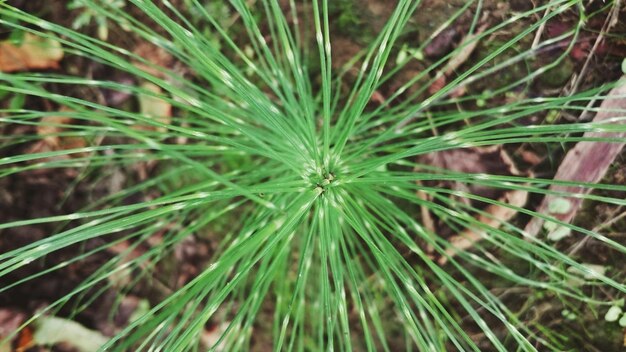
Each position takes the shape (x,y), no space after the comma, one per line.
(506,76)
(558,75)
(349,19)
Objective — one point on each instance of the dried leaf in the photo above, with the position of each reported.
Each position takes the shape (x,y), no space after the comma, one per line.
(441,43)
(156,58)
(53,330)
(495,216)
(530,157)
(491,160)
(50,127)
(427,219)
(467,48)
(212,335)
(485,160)
(155,107)
(468,45)
(34,53)
(10,321)
(25,339)
(438,84)
(378,97)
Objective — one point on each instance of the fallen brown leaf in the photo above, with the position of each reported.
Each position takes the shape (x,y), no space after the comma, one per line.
(530,157)
(24,340)
(438,84)
(51,126)
(494,217)
(377,97)
(427,220)
(211,335)
(467,45)
(10,321)
(441,43)
(154,55)
(49,129)
(34,53)
(491,160)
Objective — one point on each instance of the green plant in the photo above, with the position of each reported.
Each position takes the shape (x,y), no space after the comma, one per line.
(87,16)
(320,186)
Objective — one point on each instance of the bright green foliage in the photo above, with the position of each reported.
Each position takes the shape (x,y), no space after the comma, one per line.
(318,183)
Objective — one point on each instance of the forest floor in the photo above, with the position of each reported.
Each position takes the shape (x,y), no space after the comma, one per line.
(49,192)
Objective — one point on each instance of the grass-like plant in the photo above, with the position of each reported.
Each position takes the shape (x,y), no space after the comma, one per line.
(312,191)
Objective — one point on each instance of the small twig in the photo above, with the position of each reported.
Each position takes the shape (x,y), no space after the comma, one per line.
(604,225)
(614,16)
(540,30)
(583,71)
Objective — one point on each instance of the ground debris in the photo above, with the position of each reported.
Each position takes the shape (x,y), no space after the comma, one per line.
(493,160)
(151,105)
(467,45)
(33,53)
(156,60)
(587,162)
(442,43)
(53,330)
